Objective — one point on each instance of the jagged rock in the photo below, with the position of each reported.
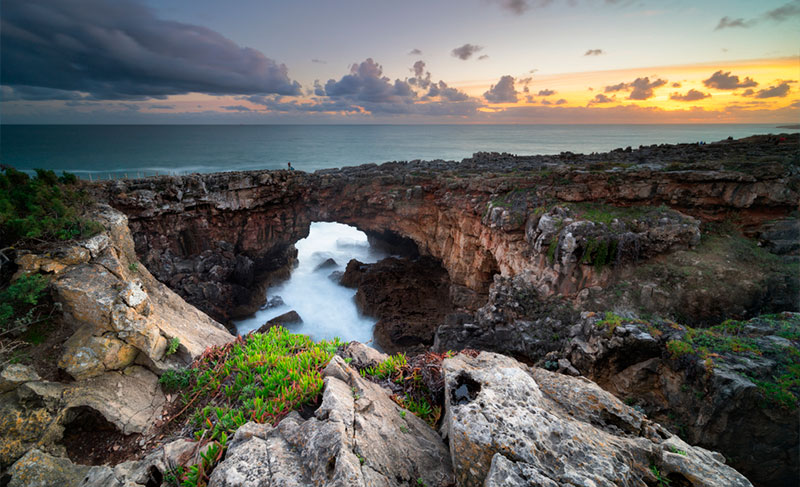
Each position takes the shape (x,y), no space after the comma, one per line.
(718,406)
(409,297)
(38,469)
(131,399)
(362,355)
(559,430)
(356,438)
(288,318)
(13,375)
(327,264)
(516,320)
(273,302)
(118,309)
(781,236)
(29,417)
(479,217)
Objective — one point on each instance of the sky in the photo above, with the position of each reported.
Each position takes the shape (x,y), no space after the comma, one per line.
(374,61)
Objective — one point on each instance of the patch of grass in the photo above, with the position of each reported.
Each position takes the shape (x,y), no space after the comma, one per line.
(601,213)
(261,377)
(416,397)
(133,266)
(662,480)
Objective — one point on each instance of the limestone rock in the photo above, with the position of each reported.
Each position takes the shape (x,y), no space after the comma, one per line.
(357,438)
(38,469)
(13,375)
(559,430)
(131,399)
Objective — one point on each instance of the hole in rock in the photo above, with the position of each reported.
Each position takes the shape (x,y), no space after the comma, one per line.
(90,439)
(326,308)
(154,478)
(465,389)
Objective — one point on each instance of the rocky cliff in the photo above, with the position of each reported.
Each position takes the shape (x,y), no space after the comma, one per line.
(590,265)
(573,225)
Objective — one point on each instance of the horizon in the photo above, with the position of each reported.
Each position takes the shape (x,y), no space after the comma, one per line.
(499,62)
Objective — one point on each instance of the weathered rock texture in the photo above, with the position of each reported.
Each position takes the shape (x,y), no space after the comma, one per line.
(118,311)
(715,404)
(718,406)
(508,424)
(410,298)
(122,320)
(479,217)
(356,438)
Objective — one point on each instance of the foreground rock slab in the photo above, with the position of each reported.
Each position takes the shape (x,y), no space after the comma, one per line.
(357,437)
(509,424)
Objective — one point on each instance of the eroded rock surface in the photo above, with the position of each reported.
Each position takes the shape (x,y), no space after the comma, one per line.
(119,312)
(410,298)
(357,437)
(551,430)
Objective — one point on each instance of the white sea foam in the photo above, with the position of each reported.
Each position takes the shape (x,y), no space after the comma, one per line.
(328,310)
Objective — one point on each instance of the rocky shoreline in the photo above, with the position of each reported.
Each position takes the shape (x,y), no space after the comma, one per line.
(648,297)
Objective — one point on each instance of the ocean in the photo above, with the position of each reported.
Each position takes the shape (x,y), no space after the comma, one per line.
(103,151)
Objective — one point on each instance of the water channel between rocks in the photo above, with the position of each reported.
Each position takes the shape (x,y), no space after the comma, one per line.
(327,309)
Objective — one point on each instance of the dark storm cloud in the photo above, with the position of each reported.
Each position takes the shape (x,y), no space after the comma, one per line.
(561,101)
(35,93)
(600,98)
(482,57)
(465,52)
(691,95)
(593,52)
(502,92)
(676,85)
(727,81)
(366,83)
(120,50)
(415,52)
(774,91)
(641,88)
(546,92)
(162,107)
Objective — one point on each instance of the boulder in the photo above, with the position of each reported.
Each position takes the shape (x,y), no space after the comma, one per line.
(13,375)
(554,430)
(328,263)
(39,469)
(288,318)
(357,437)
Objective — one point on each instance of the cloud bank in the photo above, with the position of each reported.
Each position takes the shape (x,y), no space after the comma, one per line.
(120,50)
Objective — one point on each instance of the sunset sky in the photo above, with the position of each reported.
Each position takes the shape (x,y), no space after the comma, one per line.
(358,61)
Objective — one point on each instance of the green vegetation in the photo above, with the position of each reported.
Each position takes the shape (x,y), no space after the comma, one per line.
(43,208)
(260,377)
(133,266)
(175,380)
(663,481)
(731,339)
(600,252)
(416,396)
(19,300)
(602,213)
(174,343)
(677,450)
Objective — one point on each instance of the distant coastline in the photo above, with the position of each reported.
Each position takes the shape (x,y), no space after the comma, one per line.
(794,126)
